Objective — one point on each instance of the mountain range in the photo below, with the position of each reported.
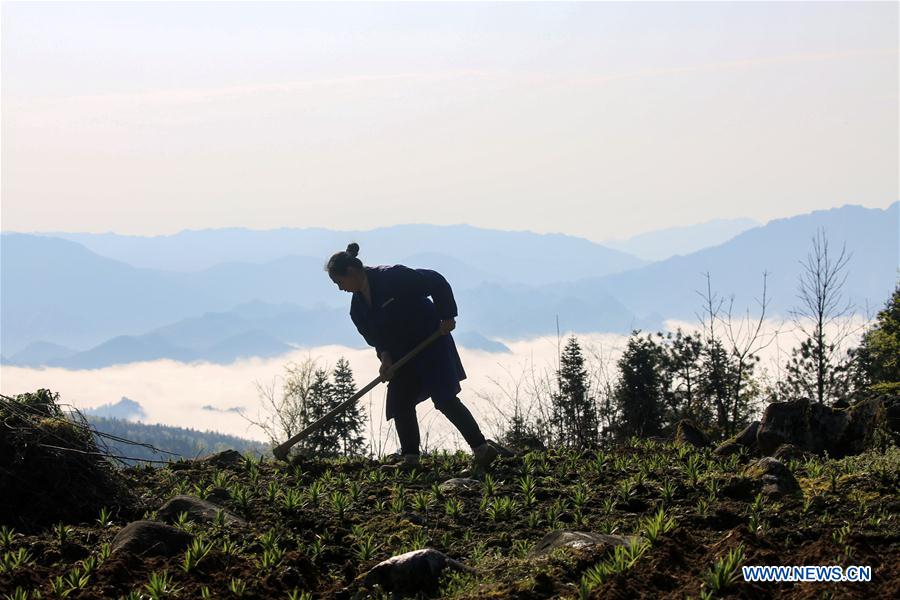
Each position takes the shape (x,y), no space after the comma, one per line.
(665,243)
(88,300)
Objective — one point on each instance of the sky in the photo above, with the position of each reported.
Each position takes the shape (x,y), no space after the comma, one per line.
(598,120)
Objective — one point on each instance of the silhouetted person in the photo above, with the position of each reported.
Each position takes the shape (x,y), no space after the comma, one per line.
(392,311)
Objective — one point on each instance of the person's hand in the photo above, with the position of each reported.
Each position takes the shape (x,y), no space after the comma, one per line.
(386,363)
(448,325)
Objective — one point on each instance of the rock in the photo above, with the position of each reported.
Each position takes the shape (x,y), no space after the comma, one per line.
(872,422)
(686,432)
(810,426)
(412,572)
(227,459)
(746,439)
(789,452)
(747,436)
(197,510)
(727,448)
(776,478)
(816,428)
(461,484)
(579,539)
(150,538)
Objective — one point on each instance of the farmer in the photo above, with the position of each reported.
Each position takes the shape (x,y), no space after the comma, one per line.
(392,311)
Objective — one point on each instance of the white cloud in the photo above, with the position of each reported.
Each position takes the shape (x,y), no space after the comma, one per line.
(174,393)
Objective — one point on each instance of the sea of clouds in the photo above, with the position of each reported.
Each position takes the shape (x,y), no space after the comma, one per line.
(175,393)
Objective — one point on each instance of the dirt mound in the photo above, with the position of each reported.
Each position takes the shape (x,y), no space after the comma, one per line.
(51,468)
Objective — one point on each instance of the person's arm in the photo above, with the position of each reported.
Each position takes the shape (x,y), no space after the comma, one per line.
(424,282)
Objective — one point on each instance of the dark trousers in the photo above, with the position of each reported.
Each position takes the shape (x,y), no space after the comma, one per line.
(450,405)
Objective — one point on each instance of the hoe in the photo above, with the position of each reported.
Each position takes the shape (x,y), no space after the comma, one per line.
(281,451)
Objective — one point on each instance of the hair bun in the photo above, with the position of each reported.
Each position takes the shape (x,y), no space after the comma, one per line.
(353,249)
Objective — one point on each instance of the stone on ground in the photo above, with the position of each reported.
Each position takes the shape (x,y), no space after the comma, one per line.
(199,511)
(746,439)
(412,572)
(776,478)
(461,484)
(227,459)
(579,539)
(150,538)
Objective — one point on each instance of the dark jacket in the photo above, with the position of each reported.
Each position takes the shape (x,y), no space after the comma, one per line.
(400,317)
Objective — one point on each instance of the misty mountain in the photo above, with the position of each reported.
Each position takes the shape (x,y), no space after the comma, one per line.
(669,288)
(664,243)
(245,345)
(291,324)
(302,280)
(497,256)
(60,292)
(250,330)
(475,341)
(518,311)
(125,409)
(129,349)
(124,349)
(133,314)
(39,354)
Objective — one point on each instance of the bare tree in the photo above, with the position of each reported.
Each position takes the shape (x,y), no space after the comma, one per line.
(716,362)
(285,408)
(730,356)
(825,319)
(746,339)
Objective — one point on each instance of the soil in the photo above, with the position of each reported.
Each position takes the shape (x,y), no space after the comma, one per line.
(846,513)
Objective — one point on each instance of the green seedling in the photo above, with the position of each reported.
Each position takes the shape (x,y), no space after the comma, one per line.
(725,572)
(160,585)
(105,518)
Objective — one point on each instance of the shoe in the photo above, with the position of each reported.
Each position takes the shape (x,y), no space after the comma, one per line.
(501,450)
(484,455)
(401,462)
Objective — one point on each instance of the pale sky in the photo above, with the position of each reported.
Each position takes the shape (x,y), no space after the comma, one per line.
(593,119)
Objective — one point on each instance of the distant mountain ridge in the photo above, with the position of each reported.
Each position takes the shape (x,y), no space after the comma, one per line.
(668,289)
(665,243)
(106,298)
(515,256)
(59,295)
(125,409)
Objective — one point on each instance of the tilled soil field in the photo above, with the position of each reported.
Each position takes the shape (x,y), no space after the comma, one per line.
(678,522)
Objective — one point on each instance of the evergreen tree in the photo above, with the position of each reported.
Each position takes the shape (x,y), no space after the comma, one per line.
(878,356)
(574,413)
(640,388)
(349,425)
(716,383)
(683,370)
(324,441)
(815,373)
